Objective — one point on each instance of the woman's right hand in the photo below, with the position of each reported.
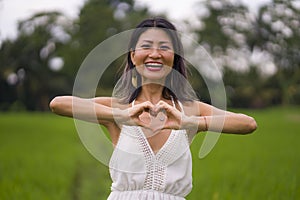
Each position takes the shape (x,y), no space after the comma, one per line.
(131,115)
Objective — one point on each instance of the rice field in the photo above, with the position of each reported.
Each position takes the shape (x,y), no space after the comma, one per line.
(42,157)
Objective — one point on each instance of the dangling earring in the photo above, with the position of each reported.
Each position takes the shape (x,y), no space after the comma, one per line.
(171,86)
(134,78)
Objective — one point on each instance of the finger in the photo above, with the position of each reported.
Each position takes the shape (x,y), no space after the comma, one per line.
(172,125)
(140,108)
(140,123)
(162,106)
(146,106)
(168,110)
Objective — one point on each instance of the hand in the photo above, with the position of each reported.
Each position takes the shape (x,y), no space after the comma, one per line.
(131,115)
(172,116)
(162,116)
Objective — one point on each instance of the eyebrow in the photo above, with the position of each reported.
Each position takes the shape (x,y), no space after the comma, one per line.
(161,42)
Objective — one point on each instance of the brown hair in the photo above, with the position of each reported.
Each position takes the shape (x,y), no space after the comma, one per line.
(176,83)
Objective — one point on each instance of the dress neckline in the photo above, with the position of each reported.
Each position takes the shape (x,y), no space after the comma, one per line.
(158,152)
(148,146)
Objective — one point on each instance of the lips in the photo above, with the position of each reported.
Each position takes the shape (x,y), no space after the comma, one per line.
(154,66)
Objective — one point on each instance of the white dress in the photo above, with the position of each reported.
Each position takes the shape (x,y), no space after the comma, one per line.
(140,174)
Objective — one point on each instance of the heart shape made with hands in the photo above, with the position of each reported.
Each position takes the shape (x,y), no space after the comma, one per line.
(153,119)
(161,114)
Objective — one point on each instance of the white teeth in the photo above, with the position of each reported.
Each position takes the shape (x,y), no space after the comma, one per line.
(153,65)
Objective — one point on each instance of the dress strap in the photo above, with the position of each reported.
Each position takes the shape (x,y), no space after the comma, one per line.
(180,104)
(173,102)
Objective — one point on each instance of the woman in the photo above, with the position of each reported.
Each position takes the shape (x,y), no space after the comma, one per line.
(153,117)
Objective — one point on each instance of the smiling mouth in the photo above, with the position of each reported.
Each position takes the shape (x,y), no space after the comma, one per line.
(153,66)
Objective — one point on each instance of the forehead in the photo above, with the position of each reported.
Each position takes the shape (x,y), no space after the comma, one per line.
(155,35)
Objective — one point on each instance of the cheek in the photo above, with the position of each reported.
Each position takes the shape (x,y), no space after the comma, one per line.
(170,59)
(138,58)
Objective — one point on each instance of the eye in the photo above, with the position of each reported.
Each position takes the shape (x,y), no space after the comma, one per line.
(164,48)
(146,46)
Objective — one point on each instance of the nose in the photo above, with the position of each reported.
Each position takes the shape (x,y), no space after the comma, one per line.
(155,53)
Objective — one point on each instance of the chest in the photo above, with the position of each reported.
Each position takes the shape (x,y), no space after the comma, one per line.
(156,139)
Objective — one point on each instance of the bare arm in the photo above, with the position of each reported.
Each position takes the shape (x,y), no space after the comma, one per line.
(214,119)
(102,110)
(85,109)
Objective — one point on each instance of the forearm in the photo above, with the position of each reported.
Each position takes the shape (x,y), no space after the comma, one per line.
(227,123)
(84,109)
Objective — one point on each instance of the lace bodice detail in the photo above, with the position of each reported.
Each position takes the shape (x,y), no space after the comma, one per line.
(137,171)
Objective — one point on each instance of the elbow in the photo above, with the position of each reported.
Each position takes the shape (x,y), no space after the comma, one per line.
(251,125)
(55,104)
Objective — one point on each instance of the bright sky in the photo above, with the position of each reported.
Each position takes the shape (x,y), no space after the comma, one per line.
(12,11)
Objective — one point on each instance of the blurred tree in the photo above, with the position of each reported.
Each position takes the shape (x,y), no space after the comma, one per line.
(226,25)
(44,58)
(260,55)
(224,34)
(278,33)
(98,20)
(29,64)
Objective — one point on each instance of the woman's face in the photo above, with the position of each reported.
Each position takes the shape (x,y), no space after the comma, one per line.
(153,55)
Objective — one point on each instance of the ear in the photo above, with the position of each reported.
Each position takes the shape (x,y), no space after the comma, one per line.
(132,54)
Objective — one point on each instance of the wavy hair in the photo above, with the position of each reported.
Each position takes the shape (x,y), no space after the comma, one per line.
(176,84)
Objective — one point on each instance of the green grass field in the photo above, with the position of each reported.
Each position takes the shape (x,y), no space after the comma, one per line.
(42,157)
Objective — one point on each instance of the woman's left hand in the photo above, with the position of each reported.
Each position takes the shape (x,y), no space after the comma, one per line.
(169,116)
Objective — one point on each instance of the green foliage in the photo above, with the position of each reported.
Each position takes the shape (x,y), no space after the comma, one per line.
(250,90)
(98,20)
(26,76)
(230,34)
(43,158)
(26,60)
(278,33)
(219,22)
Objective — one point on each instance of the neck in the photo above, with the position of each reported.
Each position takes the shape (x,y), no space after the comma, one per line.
(151,92)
